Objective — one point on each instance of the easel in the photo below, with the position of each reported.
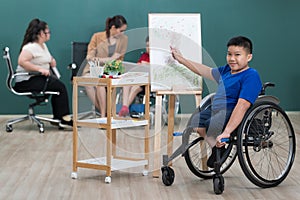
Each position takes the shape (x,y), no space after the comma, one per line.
(183,31)
(157,127)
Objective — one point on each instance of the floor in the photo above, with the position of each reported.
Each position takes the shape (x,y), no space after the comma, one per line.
(39,166)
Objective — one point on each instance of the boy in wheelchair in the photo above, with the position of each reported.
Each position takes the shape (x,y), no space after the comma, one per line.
(238,88)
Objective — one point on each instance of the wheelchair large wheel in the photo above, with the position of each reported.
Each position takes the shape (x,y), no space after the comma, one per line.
(266,144)
(197,154)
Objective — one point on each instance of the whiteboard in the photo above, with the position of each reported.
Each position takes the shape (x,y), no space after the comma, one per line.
(180,30)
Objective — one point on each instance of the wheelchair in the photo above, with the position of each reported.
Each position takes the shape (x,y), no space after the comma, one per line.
(264,143)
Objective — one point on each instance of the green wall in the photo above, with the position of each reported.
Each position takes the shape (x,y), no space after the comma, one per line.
(271,24)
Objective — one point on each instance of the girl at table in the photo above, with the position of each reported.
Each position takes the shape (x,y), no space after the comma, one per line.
(131,92)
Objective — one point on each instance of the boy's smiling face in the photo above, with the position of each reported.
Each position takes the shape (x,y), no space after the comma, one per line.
(238,58)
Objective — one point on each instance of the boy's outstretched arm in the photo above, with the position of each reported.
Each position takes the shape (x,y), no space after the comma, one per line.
(197,68)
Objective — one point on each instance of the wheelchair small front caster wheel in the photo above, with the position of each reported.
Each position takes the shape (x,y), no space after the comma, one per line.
(168,175)
(107,179)
(218,182)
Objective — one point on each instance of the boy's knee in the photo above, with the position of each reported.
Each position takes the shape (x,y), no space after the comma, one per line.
(195,122)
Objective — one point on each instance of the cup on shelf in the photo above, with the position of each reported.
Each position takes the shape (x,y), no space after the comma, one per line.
(96,70)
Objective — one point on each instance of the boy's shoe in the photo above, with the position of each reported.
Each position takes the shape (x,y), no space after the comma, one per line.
(124,111)
(213,157)
(66,124)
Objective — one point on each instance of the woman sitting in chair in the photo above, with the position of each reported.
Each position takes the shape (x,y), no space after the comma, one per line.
(34,56)
(105,46)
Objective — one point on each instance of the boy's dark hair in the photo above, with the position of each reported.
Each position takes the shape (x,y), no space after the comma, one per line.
(241,41)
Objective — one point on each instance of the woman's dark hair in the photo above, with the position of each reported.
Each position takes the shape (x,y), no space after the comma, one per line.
(241,41)
(116,21)
(33,30)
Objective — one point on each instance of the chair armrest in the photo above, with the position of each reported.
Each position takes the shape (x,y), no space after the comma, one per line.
(34,73)
(27,73)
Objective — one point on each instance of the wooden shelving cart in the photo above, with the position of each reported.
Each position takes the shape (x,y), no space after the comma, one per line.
(111,124)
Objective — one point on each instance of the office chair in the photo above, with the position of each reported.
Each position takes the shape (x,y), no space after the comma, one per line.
(78,62)
(78,57)
(41,98)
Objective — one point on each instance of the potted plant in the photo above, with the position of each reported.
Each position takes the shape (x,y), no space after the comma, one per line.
(114,67)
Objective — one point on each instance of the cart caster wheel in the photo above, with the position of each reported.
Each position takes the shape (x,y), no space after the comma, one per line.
(145,172)
(9,128)
(74,175)
(107,179)
(218,182)
(168,175)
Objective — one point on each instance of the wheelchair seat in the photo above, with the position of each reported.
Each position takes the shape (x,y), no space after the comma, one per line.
(41,98)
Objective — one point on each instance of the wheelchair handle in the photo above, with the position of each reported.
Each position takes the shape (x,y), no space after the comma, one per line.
(225,140)
(265,85)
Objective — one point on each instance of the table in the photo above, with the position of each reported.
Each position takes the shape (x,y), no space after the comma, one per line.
(111,124)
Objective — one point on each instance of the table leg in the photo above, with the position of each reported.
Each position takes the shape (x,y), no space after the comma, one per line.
(157,136)
(198,99)
(171,110)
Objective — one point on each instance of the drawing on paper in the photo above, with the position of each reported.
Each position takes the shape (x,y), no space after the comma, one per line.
(183,32)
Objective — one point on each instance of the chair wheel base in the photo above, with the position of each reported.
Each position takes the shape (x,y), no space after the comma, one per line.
(9,128)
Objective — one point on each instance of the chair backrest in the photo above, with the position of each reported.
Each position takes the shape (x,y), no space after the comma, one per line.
(78,57)
(10,74)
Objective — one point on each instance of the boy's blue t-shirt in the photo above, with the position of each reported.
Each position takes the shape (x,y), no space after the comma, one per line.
(246,85)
